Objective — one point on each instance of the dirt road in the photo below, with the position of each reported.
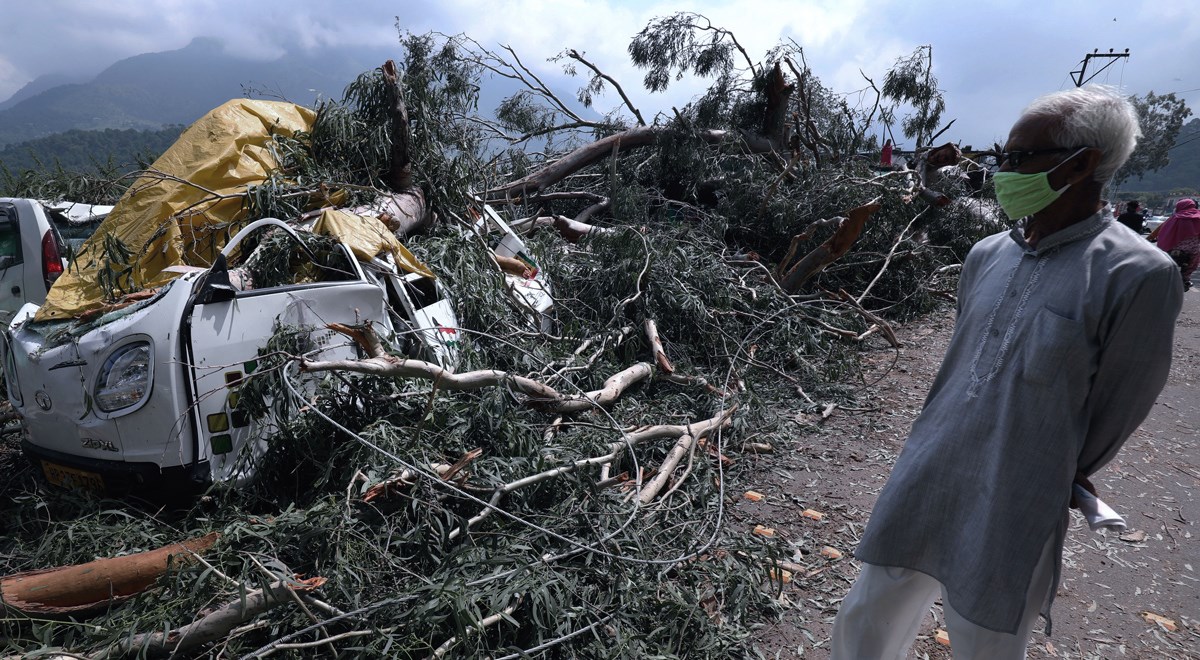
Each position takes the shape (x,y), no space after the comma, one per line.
(838,464)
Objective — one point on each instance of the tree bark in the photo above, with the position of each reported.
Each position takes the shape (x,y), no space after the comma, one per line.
(541,396)
(97,584)
(829,251)
(406,210)
(775,118)
(213,626)
(532,185)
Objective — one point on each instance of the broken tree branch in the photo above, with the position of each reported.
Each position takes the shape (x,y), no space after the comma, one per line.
(97,584)
(660,355)
(408,212)
(883,325)
(212,626)
(831,250)
(574,54)
(540,395)
(682,446)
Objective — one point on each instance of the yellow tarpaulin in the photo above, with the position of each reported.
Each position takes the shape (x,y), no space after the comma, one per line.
(178,214)
(367,237)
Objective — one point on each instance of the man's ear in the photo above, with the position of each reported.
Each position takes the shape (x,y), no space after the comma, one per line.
(1082,166)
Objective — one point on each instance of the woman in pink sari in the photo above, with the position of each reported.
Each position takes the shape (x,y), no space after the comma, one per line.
(1179,237)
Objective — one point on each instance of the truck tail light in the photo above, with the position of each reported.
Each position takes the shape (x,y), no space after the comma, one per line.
(52,265)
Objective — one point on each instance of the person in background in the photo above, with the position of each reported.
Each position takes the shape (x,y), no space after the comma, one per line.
(1061,345)
(1179,237)
(1133,218)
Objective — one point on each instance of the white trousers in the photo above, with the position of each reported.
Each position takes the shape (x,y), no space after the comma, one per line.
(880,618)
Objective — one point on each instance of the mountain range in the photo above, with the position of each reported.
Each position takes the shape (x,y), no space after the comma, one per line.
(153,90)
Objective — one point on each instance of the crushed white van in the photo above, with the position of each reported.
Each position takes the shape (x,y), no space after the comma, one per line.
(130,373)
(147,395)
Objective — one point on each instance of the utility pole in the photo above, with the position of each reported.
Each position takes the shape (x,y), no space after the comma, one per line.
(1078,76)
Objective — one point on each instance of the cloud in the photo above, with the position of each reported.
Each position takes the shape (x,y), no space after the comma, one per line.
(991,59)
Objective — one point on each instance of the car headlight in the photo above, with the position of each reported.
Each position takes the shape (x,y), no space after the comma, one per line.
(124,379)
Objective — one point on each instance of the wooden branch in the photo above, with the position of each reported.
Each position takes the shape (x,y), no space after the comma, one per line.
(696,429)
(462,463)
(442,650)
(403,212)
(831,250)
(616,337)
(540,395)
(578,159)
(531,186)
(883,325)
(682,446)
(407,212)
(774,118)
(400,176)
(890,255)
(586,215)
(573,230)
(660,355)
(781,270)
(363,335)
(212,626)
(98,584)
(385,488)
(944,129)
(574,54)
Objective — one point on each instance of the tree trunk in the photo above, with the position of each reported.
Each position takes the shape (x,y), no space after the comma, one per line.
(406,211)
(97,584)
(588,154)
(775,118)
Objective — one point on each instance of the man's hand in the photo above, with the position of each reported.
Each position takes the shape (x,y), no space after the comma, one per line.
(1082,480)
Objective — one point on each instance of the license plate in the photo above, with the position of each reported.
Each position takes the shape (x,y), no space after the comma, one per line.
(68,477)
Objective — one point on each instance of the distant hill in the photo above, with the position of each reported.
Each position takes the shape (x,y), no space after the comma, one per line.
(1184,169)
(153,90)
(78,150)
(39,85)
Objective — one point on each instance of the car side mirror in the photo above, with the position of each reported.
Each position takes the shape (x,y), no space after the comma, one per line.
(216,286)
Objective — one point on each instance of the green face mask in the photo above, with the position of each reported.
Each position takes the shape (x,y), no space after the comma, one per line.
(1022,195)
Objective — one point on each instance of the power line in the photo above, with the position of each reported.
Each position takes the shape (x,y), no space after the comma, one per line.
(1078,76)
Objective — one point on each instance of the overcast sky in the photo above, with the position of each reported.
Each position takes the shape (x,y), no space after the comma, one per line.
(990,57)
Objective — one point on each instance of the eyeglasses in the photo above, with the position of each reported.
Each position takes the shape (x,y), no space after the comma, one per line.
(1015,158)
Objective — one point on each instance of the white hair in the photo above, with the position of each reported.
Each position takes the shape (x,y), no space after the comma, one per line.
(1092,116)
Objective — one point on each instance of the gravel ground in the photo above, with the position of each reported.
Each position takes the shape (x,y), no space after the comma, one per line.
(838,464)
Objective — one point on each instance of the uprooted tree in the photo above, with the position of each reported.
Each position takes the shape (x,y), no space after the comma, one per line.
(560,491)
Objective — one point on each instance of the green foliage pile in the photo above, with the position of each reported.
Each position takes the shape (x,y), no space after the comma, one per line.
(574,568)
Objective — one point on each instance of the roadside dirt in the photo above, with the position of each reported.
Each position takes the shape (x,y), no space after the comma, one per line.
(837,466)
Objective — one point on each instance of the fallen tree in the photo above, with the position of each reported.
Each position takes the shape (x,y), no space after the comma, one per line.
(714,275)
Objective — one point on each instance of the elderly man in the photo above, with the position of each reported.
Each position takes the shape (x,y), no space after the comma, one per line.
(1062,344)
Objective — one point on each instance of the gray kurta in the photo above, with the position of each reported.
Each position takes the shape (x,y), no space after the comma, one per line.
(1057,356)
